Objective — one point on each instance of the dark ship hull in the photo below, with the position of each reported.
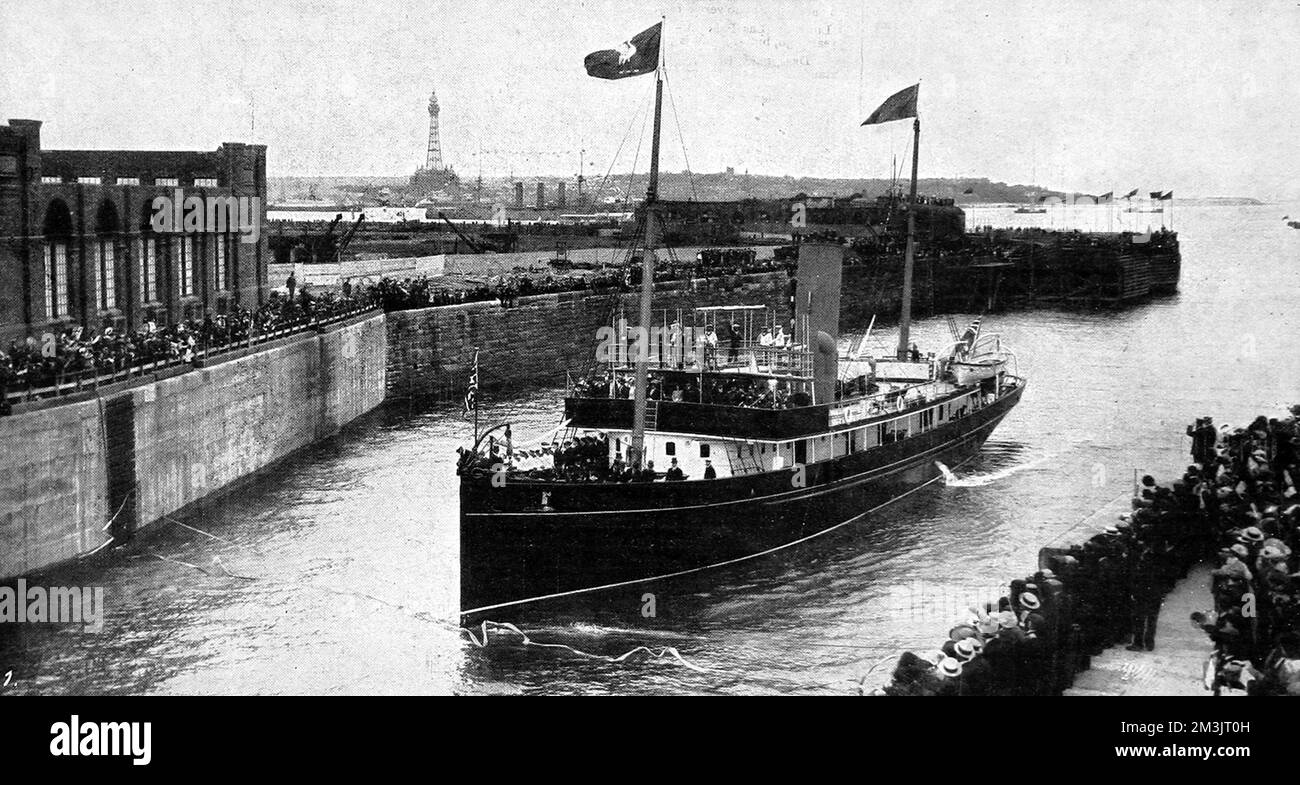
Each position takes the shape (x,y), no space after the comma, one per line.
(618,537)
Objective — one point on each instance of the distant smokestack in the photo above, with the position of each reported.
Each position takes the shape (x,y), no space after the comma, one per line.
(519,195)
(541,196)
(559,195)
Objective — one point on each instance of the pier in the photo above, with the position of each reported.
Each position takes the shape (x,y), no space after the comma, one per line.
(1175,668)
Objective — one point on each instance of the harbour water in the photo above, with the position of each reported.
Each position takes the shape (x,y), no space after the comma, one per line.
(336,571)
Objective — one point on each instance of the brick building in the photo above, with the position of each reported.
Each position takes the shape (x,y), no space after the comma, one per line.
(77,246)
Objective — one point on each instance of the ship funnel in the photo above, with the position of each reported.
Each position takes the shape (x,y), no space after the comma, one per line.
(817,311)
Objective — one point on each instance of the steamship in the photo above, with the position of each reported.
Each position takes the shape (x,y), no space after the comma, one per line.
(777,440)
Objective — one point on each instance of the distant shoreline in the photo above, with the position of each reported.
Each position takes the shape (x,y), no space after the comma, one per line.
(708,187)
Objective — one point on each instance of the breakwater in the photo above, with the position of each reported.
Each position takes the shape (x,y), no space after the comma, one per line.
(1006,269)
(79,470)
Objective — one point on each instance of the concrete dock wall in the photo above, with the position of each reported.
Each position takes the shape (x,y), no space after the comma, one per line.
(154,448)
(53,485)
(430,350)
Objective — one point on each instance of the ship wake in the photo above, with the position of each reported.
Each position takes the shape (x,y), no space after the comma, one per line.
(988,478)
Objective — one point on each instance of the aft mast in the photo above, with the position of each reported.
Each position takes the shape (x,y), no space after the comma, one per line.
(899,106)
(909,257)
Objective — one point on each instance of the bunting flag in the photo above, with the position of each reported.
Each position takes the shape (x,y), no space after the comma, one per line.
(898,106)
(1167,196)
(471,391)
(1157,195)
(1107,197)
(1131,194)
(635,57)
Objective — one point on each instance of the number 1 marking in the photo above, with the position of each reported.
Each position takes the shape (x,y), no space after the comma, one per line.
(9,676)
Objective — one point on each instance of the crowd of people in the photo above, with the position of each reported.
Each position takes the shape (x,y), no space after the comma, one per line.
(1235,505)
(77,353)
(1247,484)
(721,389)
(37,363)
(425,292)
(581,459)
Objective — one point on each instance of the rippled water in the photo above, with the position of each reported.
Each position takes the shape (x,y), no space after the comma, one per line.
(346,555)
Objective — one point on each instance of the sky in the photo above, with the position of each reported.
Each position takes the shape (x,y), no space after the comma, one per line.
(1194,96)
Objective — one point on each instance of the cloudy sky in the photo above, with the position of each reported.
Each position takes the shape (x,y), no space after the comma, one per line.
(1196,96)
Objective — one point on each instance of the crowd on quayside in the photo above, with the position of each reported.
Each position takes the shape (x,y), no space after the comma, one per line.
(1236,505)
(33,365)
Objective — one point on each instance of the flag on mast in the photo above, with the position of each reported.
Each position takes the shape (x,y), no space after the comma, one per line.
(1131,194)
(1107,197)
(471,391)
(898,106)
(636,56)
(1166,196)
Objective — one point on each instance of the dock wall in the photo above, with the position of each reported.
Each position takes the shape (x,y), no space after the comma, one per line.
(134,455)
(430,350)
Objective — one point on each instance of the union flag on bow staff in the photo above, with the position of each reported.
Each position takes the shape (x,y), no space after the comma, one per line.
(638,55)
(471,391)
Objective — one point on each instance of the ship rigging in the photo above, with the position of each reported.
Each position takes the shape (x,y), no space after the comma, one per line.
(713,435)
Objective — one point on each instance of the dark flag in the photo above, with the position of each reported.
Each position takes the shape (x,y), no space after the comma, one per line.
(1106,198)
(634,58)
(1166,196)
(1157,195)
(898,106)
(969,191)
(1131,194)
(471,391)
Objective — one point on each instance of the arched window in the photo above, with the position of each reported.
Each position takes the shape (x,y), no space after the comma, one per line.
(183,253)
(58,239)
(220,262)
(149,249)
(107,228)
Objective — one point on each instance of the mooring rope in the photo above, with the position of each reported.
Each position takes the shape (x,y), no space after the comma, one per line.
(111,539)
(666,651)
(205,534)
